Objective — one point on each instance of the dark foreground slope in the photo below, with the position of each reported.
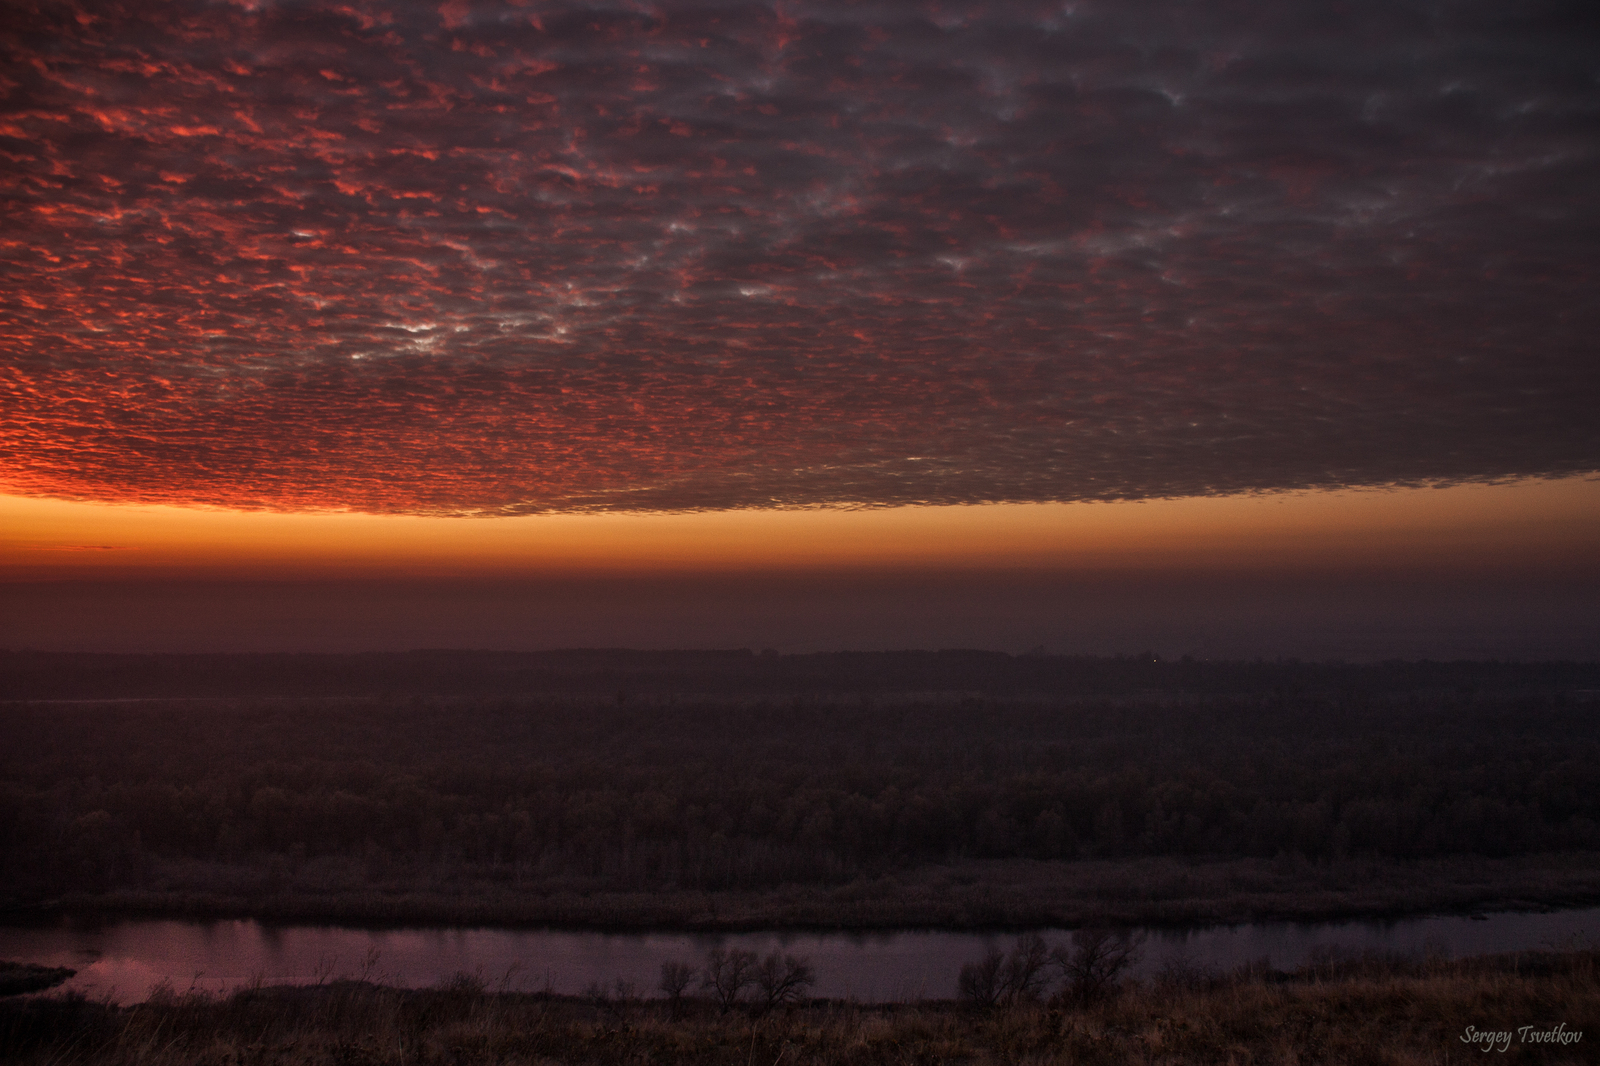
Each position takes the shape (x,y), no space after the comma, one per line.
(1366,1012)
(1301,791)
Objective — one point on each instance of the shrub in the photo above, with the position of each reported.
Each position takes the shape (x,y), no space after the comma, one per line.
(1095,963)
(783,979)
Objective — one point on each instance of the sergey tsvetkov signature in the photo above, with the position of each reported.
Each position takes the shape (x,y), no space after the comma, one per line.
(1501,1039)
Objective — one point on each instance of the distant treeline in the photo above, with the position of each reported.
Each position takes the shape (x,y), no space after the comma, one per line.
(29,675)
(655,793)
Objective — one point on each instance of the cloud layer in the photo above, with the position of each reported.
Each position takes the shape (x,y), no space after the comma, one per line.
(506,258)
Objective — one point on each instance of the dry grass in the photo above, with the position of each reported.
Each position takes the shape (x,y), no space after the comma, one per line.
(1362,1012)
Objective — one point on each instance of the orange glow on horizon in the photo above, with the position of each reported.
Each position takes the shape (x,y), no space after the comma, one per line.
(1535,522)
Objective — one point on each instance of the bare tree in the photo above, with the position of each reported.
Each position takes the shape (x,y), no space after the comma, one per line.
(676,977)
(1026,973)
(1001,980)
(728,974)
(1093,966)
(783,980)
(983,983)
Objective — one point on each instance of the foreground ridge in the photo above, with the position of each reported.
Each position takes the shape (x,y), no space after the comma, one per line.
(1535,1007)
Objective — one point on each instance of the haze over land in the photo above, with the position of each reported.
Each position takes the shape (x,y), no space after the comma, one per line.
(1469,572)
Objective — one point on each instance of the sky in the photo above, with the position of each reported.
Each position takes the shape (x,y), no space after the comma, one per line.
(1239,328)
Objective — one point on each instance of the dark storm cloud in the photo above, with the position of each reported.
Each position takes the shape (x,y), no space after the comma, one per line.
(520,257)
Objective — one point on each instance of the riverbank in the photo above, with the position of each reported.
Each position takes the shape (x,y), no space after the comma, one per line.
(969,896)
(1360,1010)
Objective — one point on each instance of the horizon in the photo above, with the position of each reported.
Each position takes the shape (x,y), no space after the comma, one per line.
(1474,572)
(1250,331)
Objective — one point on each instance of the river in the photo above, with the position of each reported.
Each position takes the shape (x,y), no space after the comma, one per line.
(122,960)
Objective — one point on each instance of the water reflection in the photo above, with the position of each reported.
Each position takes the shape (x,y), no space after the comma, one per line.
(124,960)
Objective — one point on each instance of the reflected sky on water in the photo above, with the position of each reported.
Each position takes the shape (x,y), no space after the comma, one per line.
(123,960)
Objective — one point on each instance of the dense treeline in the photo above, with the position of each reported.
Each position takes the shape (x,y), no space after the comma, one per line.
(664,793)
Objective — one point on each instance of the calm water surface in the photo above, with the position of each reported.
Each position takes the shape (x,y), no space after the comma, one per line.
(124,960)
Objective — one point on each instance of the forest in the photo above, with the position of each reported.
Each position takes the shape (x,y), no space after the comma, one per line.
(570,794)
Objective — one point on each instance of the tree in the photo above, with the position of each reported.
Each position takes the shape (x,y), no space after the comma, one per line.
(728,974)
(1000,980)
(783,980)
(1027,970)
(1093,966)
(676,977)
(982,983)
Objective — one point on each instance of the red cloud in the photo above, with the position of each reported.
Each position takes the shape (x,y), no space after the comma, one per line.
(484,258)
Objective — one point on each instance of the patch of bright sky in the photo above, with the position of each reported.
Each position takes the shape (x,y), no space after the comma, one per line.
(1533,522)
